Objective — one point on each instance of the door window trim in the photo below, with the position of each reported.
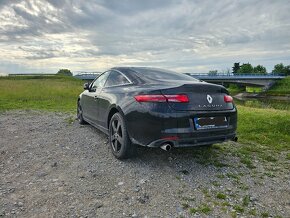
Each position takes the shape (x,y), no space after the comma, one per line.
(129,81)
(91,85)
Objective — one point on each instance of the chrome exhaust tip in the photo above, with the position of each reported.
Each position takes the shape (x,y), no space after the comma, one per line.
(166,147)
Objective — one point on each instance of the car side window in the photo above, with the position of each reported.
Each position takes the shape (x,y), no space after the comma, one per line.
(116,79)
(100,81)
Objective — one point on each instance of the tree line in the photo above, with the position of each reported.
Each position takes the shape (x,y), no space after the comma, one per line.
(64,72)
(247,68)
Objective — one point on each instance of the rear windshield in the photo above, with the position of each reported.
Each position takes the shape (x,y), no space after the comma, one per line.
(158,74)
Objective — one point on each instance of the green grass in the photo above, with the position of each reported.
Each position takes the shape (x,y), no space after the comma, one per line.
(264,103)
(246,200)
(267,127)
(282,87)
(220,195)
(263,135)
(239,208)
(204,208)
(56,93)
(235,89)
(264,214)
(254,89)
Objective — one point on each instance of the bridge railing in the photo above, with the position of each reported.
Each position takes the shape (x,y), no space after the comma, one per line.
(91,76)
(237,75)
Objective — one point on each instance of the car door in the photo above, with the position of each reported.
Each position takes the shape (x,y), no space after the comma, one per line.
(90,98)
(110,94)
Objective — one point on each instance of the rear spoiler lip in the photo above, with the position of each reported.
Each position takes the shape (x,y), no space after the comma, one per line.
(221,88)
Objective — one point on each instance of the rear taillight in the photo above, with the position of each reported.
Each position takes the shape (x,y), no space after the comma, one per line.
(162,98)
(150,98)
(228,99)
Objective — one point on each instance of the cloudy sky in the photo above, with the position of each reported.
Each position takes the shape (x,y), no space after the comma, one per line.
(187,35)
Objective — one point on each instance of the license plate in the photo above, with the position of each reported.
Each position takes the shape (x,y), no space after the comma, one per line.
(210,122)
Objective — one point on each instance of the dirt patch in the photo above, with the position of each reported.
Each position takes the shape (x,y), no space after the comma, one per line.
(52,166)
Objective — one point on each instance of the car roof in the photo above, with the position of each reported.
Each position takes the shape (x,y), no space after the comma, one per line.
(137,74)
(136,68)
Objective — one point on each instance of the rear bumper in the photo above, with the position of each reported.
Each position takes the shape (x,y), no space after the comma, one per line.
(195,141)
(152,128)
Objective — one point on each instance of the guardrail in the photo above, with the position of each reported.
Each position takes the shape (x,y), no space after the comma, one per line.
(238,76)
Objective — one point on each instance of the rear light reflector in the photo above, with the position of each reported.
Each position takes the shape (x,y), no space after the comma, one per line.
(171,138)
(228,99)
(162,98)
(177,98)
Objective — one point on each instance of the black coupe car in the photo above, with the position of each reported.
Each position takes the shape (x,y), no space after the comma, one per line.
(156,108)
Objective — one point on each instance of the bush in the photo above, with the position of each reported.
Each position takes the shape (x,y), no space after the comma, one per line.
(64,72)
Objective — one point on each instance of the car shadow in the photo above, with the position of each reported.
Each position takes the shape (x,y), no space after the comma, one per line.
(206,156)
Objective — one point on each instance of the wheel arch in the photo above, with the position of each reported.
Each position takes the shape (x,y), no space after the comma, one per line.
(114,109)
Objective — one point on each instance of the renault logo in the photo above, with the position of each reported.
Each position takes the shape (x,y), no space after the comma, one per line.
(209,99)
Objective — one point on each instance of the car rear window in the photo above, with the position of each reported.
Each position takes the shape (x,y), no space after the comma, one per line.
(158,74)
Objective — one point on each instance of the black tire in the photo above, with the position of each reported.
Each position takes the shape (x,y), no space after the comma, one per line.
(119,139)
(80,114)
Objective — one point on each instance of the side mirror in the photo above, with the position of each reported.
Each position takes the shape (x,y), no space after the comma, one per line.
(86,86)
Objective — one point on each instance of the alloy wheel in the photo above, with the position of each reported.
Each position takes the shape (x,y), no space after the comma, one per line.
(116,136)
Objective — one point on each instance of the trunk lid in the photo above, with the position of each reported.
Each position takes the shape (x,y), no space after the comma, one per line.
(202,97)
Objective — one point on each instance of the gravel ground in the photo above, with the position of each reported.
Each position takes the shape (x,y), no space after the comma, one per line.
(50,166)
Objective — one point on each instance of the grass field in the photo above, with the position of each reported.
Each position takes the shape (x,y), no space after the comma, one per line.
(282,87)
(54,93)
(266,127)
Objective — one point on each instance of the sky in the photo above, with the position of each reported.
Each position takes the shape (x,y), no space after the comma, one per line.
(189,36)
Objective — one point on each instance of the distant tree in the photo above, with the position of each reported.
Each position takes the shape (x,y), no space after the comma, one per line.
(280,68)
(245,69)
(64,72)
(236,68)
(212,72)
(260,69)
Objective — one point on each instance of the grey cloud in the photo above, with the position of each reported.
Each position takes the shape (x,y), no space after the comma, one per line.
(35,25)
(40,55)
(8,2)
(57,3)
(129,7)
(173,33)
